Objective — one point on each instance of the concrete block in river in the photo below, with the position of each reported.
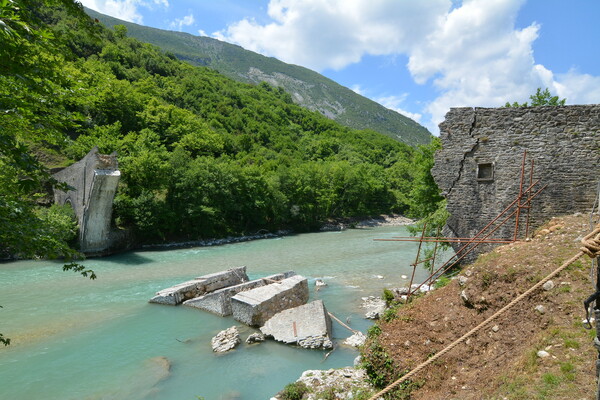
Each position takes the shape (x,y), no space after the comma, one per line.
(308,325)
(199,286)
(254,307)
(219,301)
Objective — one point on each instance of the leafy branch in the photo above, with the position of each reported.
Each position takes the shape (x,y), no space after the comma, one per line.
(4,340)
(75,267)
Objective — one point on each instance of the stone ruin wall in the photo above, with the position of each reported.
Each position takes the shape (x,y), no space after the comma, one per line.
(93,181)
(563,142)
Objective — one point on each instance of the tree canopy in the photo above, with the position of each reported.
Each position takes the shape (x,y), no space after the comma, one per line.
(540,98)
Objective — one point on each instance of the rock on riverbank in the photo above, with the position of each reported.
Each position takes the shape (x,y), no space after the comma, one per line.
(382,220)
(344,383)
(226,340)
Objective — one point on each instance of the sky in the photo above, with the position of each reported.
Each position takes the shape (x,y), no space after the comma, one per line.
(417,57)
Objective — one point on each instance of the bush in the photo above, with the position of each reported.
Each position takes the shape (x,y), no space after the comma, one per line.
(294,391)
(388,296)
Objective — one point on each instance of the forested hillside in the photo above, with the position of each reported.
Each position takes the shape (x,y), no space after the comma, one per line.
(308,88)
(200,154)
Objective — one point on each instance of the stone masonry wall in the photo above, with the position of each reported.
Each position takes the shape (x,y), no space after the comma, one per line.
(94,181)
(479,166)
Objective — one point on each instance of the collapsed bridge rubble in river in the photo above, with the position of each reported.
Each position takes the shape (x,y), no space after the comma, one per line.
(281,297)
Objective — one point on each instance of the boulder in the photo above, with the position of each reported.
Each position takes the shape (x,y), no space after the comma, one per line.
(320,283)
(548,286)
(308,326)
(254,307)
(255,338)
(356,340)
(199,286)
(226,340)
(375,307)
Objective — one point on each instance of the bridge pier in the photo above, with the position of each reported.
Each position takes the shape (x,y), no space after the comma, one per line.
(94,180)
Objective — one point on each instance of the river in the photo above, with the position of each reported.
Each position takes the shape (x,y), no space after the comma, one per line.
(73,338)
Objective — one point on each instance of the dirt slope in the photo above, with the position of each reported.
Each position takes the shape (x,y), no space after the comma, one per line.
(501,361)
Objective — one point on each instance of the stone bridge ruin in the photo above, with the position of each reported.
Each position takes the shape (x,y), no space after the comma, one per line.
(94,181)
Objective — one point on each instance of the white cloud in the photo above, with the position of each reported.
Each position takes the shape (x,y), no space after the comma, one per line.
(358,89)
(476,57)
(126,10)
(334,33)
(470,51)
(179,23)
(395,103)
(578,88)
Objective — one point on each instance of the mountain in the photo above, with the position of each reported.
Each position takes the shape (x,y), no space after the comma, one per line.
(307,88)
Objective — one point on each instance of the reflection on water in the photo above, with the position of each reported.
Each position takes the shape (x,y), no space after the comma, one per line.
(74,338)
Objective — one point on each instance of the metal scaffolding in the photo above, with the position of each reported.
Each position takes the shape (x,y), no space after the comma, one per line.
(514,209)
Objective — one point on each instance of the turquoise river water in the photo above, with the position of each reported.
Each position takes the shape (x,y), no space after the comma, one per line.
(73,338)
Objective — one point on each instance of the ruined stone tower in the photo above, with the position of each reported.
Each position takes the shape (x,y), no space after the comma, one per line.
(478,168)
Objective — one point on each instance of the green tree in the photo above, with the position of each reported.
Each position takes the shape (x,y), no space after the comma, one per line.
(540,98)
(425,196)
(32,89)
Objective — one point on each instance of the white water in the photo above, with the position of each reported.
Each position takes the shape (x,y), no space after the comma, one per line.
(73,338)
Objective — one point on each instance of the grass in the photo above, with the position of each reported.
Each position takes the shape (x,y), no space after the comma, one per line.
(487,258)
(531,361)
(513,388)
(442,281)
(488,278)
(575,266)
(362,394)
(543,388)
(564,289)
(550,378)
(566,367)
(568,372)
(571,344)
(511,274)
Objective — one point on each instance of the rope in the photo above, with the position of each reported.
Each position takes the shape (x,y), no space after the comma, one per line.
(591,245)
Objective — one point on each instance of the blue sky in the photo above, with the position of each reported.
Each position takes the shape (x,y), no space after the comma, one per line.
(418,57)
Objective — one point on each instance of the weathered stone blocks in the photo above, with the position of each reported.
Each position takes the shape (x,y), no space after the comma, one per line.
(307,325)
(199,286)
(254,307)
(219,301)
